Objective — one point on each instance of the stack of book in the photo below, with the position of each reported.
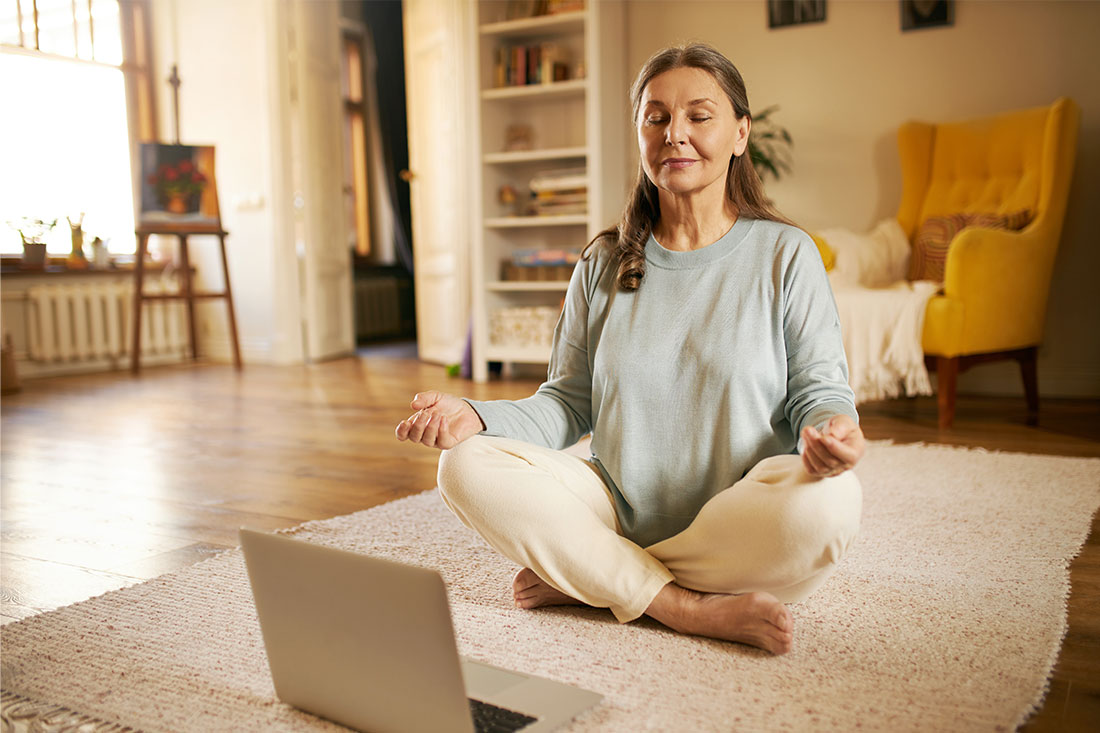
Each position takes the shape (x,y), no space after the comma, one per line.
(559,193)
(539,63)
(540,264)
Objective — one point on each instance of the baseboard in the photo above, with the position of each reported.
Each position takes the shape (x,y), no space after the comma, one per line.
(1003,378)
(254,351)
(27,369)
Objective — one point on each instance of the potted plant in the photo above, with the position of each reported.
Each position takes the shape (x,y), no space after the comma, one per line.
(769,146)
(33,232)
(179,186)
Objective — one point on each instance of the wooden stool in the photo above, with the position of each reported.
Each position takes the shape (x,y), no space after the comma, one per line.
(186,292)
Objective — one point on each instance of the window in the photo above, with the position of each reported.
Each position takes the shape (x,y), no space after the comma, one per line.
(77,95)
(355,142)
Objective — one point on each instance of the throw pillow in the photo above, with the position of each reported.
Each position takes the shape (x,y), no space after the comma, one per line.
(826,252)
(877,259)
(929,257)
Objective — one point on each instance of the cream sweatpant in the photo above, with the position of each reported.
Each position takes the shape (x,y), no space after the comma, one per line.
(776,530)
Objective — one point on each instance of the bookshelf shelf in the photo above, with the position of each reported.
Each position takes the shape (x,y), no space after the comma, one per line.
(535,156)
(571,88)
(520,354)
(539,26)
(516,222)
(506,286)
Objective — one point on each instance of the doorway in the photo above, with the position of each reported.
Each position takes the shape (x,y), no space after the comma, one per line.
(376,188)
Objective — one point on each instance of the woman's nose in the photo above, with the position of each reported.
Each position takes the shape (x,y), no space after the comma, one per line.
(676,133)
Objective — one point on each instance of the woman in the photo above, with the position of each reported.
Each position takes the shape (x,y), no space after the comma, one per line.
(699,341)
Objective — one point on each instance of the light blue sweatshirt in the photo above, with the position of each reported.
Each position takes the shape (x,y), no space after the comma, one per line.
(716,362)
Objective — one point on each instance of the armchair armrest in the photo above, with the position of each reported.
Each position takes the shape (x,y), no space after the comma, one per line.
(1002,279)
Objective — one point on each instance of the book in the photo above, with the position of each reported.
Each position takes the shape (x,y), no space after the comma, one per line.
(520,65)
(560,180)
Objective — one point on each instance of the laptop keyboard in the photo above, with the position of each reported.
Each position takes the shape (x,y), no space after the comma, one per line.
(491,719)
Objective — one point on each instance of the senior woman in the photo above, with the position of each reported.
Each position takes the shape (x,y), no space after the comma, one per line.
(700,345)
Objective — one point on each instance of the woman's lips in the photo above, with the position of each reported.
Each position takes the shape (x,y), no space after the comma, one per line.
(678,162)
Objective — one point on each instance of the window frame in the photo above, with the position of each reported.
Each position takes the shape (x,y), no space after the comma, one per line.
(357,151)
(135,32)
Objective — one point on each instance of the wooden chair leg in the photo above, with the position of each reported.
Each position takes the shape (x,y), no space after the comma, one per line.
(139,284)
(229,306)
(947,373)
(1029,371)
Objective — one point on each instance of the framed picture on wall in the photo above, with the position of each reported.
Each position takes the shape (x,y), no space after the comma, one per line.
(917,14)
(177,187)
(783,13)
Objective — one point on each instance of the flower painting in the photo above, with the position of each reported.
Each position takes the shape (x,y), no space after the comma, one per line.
(177,186)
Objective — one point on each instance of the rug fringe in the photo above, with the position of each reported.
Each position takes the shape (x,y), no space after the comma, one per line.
(19,714)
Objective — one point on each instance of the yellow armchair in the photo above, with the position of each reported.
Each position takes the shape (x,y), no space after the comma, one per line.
(996,282)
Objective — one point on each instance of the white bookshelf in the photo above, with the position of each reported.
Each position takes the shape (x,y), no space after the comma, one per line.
(578,122)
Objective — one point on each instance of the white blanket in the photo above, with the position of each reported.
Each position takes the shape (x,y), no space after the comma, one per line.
(882,338)
(881,314)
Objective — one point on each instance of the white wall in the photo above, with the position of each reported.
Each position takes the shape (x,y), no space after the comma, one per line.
(231,96)
(844,86)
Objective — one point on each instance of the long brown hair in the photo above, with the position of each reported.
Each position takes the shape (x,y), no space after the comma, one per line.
(627,239)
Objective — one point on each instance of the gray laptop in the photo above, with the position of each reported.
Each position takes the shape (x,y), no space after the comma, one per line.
(368,643)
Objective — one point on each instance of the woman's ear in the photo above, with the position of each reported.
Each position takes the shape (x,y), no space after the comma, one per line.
(741,143)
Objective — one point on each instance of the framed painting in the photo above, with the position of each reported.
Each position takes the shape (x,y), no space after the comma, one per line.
(178,192)
(782,13)
(917,14)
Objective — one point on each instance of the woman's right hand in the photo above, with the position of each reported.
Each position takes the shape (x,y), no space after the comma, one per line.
(441,421)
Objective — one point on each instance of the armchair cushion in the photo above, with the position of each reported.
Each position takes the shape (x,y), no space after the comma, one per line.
(928,259)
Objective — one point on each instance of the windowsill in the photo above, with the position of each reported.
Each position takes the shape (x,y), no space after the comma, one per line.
(12,267)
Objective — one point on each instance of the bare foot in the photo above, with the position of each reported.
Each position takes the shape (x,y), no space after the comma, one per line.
(531,591)
(756,619)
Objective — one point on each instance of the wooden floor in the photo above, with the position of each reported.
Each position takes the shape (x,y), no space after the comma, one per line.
(107,479)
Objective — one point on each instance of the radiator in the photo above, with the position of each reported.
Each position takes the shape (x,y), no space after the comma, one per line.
(94,321)
(377,307)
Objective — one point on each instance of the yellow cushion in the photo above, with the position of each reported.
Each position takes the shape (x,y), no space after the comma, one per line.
(991,165)
(827,255)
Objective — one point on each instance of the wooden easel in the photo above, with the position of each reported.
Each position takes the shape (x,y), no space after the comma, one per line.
(182,230)
(186,293)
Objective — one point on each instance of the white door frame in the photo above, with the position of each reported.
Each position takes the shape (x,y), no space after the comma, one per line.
(438,72)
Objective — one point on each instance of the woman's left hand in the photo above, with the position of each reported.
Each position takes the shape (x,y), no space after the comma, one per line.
(835,449)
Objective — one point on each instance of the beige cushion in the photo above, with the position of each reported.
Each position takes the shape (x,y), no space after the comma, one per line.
(929,256)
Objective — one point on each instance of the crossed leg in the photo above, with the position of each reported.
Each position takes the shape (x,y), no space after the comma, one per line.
(757,619)
(764,542)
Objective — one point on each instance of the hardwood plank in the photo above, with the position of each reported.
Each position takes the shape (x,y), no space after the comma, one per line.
(88,547)
(168,562)
(124,478)
(30,586)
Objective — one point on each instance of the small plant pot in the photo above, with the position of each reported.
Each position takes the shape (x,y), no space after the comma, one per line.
(101,257)
(34,255)
(177,203)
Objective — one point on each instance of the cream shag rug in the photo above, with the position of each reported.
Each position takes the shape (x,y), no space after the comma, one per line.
(947,615)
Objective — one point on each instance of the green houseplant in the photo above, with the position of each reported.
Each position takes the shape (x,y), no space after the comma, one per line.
(33,232)
(769,146)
